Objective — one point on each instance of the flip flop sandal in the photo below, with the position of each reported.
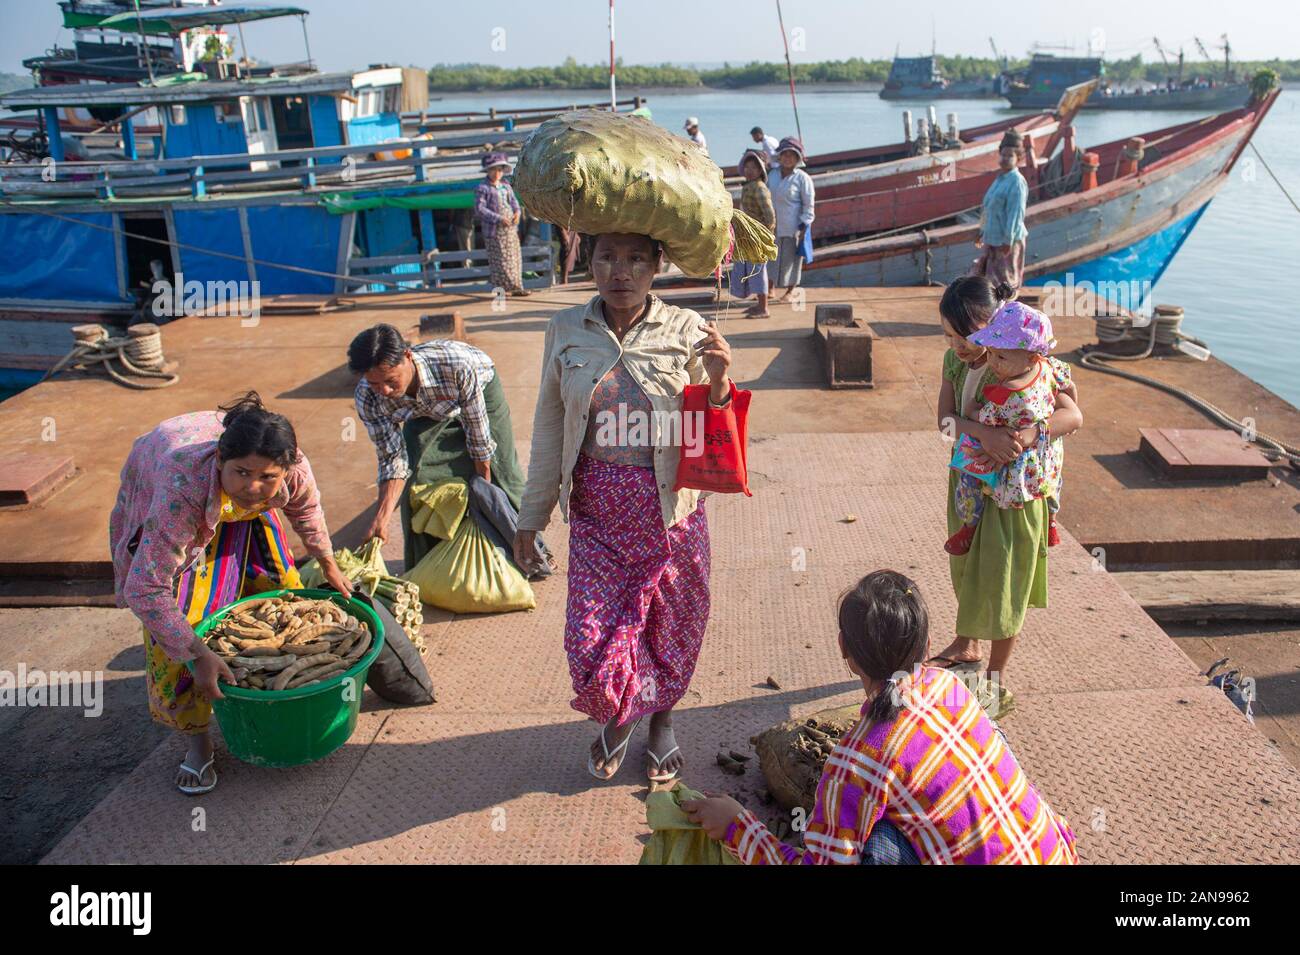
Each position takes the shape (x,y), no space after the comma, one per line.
(610,754)
(200,789)
(948,662)
(660,776)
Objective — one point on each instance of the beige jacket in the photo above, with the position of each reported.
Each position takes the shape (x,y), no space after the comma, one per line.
(578,352)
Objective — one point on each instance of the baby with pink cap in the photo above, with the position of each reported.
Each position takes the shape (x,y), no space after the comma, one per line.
(1019,342)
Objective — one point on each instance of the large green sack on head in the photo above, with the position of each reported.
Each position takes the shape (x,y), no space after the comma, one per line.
(470,574)
(598,172)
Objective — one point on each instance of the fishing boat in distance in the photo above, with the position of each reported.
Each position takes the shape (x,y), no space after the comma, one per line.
(921,78)
(1038,84)
(1124,226)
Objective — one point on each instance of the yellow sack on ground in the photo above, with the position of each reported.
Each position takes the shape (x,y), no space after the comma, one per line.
(437,509)
(674,839)
(598,172)
(470,574)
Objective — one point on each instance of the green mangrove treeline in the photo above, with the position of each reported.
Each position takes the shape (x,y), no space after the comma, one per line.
(466,77)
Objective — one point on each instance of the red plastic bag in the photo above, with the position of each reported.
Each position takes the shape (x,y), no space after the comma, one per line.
(715,460)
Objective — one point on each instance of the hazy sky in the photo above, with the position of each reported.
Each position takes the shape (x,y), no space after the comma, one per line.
(352,33)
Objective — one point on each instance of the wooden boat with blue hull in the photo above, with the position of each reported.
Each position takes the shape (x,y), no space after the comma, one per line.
(1127,228)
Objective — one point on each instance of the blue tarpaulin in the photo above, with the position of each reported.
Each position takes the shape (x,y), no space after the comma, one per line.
(304,236)
(53,259)
(215,229)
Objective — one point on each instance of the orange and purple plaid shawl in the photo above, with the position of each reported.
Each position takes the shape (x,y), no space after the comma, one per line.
(941,772)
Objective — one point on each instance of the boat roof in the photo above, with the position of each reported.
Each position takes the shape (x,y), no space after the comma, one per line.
(167,20)
(186,88)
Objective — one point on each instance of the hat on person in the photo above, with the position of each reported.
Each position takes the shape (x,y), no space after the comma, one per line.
(791,143)
(1012,139)
(495,159)
(758,156)
(692,121)
(1017,327)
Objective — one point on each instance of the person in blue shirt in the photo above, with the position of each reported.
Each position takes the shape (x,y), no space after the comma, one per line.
(1002,235)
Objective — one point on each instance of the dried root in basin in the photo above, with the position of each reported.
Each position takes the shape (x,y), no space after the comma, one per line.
(279,643)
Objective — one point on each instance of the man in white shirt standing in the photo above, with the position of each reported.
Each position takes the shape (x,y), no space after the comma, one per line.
(766,144)
(693,132)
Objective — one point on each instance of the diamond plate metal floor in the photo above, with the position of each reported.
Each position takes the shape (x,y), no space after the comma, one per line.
(1114,725)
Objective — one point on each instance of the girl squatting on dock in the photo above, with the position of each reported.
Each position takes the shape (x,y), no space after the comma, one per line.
(924,776)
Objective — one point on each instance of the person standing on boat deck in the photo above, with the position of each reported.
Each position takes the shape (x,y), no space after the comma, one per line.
(195,528)
(793,198)
(405,393)
(765,144)
(1002,232)
(638,598)
(750,278)
(498,214)
(694,134)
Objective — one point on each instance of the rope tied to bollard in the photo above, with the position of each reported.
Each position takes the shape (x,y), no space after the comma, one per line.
(1164,328)
(139,352)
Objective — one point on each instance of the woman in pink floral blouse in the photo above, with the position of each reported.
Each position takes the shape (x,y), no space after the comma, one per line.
(195,527)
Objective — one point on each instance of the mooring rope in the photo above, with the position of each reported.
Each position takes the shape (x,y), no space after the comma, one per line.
(1165,329)
(139,352)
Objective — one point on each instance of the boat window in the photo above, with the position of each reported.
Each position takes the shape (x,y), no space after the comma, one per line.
(252,116)
(227,112)
(178,115)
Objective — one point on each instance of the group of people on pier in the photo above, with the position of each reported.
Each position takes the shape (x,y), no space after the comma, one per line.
(926,775)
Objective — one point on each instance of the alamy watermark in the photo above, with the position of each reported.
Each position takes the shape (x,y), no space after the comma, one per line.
(644,429)
(177,298)
(77,689)
(1087,299)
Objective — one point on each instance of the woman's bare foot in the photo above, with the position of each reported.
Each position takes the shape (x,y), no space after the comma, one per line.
(960,651)
(663,757)
(197,756)
(614,736)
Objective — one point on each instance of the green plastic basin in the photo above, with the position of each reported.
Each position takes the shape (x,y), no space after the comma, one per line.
(293,727)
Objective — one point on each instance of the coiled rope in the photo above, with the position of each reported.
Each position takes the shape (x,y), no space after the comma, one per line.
(139,352)
(1164,329)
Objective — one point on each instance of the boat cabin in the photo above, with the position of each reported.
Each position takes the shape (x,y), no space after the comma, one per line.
(207,117)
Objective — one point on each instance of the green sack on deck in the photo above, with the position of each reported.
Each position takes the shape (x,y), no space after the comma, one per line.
(674,839)
(437,509)
(470,574)
(599,172)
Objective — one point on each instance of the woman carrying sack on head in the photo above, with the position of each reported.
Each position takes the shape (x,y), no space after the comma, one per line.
(194,529)
(614,372)
(498,214)
(638,578)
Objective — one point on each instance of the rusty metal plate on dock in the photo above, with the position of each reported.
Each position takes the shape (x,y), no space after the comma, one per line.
(30,478)
(1199,454)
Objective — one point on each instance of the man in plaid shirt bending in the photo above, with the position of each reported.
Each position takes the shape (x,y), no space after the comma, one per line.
(436,409)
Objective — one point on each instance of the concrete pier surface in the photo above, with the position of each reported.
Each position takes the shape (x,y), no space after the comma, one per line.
(1114,724)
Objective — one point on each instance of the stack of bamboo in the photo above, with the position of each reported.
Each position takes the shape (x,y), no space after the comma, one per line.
(369,574)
